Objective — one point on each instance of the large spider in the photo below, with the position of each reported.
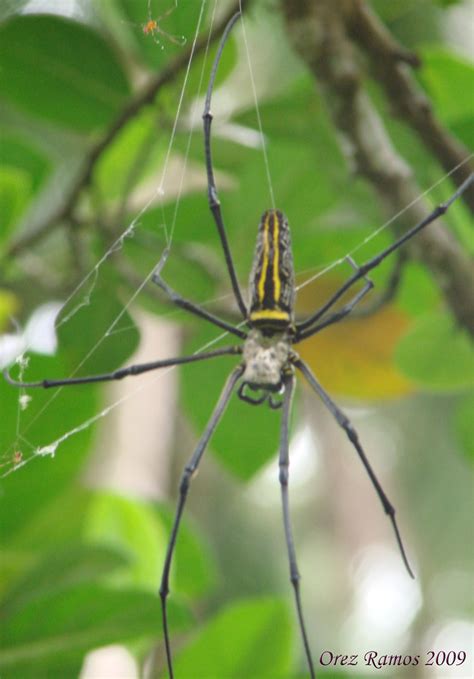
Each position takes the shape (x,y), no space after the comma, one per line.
(268,361)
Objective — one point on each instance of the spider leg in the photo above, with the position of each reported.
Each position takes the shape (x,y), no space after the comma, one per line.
(289,382)
(273,403)
(363,269)
(338,315)
(258,400)
(185,482)
(175,39)
(345,424)
(194,308)
(124,372)
(169,11)
(214,203)
(389,292)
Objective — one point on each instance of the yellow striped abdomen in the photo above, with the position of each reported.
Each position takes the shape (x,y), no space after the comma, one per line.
(272,286)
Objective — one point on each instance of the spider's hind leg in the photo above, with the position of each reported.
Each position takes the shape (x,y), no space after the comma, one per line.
(345,424)
(184,486)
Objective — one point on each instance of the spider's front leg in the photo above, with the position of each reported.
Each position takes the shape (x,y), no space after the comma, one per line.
(303,330)
(194,308)
(214,203)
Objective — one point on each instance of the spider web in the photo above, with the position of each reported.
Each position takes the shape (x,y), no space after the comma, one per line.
(22,450)
(11,459)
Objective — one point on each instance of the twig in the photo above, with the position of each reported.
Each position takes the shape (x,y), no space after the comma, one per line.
(321,33)
(146,96)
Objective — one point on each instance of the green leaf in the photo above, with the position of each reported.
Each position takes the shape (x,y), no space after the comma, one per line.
(464,425)
(136,152)
(59,570)
(448,78)
(21,154)
(55,631)
(196,581)
(132,527)
(48,420)
(61,71)
(95,331)
(250,639)
(242,449)
(436,354)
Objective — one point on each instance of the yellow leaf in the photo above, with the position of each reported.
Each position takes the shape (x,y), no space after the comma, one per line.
(354,357)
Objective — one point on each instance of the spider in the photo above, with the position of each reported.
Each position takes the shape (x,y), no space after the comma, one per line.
(268,363)
(153,27)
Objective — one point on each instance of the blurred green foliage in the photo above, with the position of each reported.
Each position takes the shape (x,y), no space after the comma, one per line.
(79,569)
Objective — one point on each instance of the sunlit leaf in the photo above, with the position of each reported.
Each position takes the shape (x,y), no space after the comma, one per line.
(249,639)
(132,527)
(116,170)
(15,190)
(8,306)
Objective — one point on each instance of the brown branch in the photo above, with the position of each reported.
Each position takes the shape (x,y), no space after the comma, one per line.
(144,97)
(321,33)
(407,99)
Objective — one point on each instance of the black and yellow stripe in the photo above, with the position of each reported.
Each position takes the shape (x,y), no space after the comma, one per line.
(272,276)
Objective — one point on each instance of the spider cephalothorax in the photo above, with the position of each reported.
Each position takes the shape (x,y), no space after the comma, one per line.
(266,356)
(267,359)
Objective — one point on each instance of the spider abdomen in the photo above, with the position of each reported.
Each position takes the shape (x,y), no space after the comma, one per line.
(272,279)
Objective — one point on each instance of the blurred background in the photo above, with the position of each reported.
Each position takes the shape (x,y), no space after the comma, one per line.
(102,170)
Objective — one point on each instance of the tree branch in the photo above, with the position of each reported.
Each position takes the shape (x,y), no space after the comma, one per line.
(321,33)
(407,99)
(144,97)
